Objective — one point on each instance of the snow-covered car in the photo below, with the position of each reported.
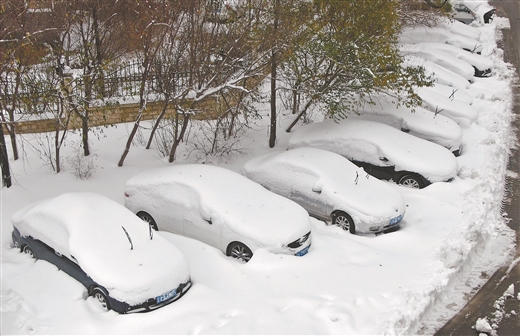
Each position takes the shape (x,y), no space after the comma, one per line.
(439,35)
(459,28)
(383,151)
(330,188)
(106,248)
(448,92)
(481,65)
(416,121)
(448,61)
(220,208)
(438,73)
(462,113)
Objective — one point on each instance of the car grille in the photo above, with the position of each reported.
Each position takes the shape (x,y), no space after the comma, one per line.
(299,242)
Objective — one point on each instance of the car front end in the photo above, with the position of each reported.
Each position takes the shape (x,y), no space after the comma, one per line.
(152,303)
(300,246)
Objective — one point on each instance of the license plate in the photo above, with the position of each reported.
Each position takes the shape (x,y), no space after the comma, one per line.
(303,252)
(166,296)
(396,220)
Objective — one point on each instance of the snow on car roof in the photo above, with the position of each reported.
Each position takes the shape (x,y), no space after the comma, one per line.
(439,73)
(417,121)
(448,91)
(227,198)
(87,227)
(441,58)
(368,141)
(459,28)
(480,62)
(437,34)
(340,181)
(462,113)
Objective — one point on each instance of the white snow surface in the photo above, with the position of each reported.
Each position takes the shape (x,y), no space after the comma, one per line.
(478,61)
(88,227)
(448,92)
(407,282)
(416,121)
(439,35)
(225,197)
(440,57)
(342,184)
(368,141)
(460,28)
(462,113)
(438,73)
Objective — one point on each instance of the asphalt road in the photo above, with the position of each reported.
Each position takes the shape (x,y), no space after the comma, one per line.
(482,304)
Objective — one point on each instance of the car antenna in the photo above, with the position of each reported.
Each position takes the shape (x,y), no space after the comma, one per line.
(129,239)
(357,176)
(452,95)
(437,111)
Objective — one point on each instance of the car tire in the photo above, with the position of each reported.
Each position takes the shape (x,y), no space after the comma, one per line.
(239,251)
(344,221)
(100,296)
(145,216)
(28,250)
(411,181)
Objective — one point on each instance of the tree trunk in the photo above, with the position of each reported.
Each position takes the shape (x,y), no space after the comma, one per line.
(299,116)
(156,124)
(14,145)
(129,141)
(84,135)
(177,140)
(272,125)
(4,160)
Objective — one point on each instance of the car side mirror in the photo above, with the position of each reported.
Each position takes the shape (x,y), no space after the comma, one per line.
(317,187)
(384,159)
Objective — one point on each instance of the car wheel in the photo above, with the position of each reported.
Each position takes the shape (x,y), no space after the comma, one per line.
(344,221)
(239,251)
(101,297)
(145,216)
(411,181)
(28,250)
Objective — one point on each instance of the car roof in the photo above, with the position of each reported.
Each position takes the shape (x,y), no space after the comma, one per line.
(88,228)
(226,198)
(407,152)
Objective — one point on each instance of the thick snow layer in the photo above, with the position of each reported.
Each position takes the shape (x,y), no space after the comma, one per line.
(448,92)
(404,283)
(463,114)
(368,141)
(478,61)
(460,28)
(88,228)
(439,35)
(440,57)
(226,198)
(329,179)
(416,121)
(438,73)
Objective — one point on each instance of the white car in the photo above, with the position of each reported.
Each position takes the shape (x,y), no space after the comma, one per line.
(106,248)
(439,35)
(219,207)
(381,150)
(330,188)
(438,73)
(462,113)
(481,65)
(416,121)
(442,58)
(459,28)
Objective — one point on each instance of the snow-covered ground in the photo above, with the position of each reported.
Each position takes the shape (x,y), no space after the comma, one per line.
(396,283)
